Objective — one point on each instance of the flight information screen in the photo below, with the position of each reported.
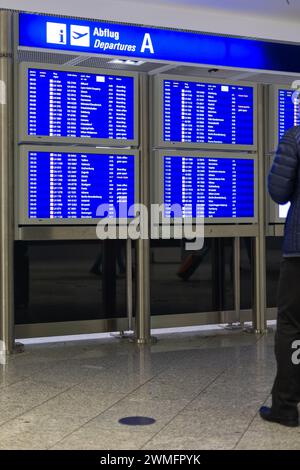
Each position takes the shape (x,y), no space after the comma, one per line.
(208,187)
(288,111)
(72,185)
(197,112)
(75,104)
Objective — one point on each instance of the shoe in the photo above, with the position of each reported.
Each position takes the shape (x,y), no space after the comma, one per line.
(96,271)
(183,276)
(268,414)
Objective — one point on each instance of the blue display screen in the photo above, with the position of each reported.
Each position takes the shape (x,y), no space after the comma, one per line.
(288,111)
(207,113)
(72,185)
(75,104)
(208,187)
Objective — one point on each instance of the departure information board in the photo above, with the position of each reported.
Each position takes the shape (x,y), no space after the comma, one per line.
(209,187)
(213,113)
(288,111)
(64,185)
(74,104)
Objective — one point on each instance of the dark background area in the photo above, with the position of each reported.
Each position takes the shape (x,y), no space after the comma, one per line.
(70,281)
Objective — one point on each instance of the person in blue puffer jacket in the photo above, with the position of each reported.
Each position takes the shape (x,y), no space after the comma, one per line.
(284,186)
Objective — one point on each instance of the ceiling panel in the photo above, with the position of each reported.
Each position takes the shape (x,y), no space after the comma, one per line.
(282,9)
(45,57)
(99,62)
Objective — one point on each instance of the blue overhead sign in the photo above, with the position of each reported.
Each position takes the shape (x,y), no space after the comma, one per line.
(95,37)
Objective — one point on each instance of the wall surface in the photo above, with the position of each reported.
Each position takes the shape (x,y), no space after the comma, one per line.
(175,14)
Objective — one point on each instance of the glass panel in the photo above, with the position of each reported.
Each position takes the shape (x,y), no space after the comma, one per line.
(69,281)
(191,281)
(246,272)
(274,254)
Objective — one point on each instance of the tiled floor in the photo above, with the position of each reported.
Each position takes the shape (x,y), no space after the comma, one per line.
(203,389)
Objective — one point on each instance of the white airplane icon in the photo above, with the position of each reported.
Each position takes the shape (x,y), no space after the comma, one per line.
(78,35)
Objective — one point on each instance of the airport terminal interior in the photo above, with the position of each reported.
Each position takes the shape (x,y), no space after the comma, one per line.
(130,342)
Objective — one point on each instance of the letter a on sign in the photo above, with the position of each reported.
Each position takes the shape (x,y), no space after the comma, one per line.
(147,44)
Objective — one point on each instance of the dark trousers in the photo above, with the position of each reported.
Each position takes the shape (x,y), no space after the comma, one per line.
(286,388)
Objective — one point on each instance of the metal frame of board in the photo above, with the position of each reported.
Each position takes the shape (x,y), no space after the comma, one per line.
(23,219)
(10,231)
(158,106)
(24,137)
(159,180)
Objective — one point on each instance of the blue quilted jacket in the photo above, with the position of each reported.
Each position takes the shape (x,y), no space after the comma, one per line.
(284,186)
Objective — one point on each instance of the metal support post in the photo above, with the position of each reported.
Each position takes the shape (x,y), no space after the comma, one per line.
(129,285)
(237,278)
(127,333)
(6,187)
(218,272)
(259,310)
(142,323)
(109,272)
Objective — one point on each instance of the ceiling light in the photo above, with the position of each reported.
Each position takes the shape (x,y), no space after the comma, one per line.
(126,62)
